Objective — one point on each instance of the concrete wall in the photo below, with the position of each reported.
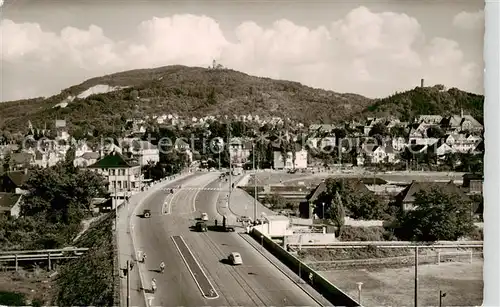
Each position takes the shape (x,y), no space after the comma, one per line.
(333,294)
(243,181)
(361,223)
(311,238)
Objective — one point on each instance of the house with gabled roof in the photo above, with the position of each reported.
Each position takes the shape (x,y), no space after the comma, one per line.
(13,181)
(10,204)
(123,175)
(459,123)
(478,149)
(418,136)
(461,142)
(376,153)
(86,159)
(429,119)
(20,160)
(406,198)
(287,162)
(441,148)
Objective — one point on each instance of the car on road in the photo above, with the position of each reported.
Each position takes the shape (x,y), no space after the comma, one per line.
(146,213)
(235,258)
(201,227)
(244,219)
(204,216)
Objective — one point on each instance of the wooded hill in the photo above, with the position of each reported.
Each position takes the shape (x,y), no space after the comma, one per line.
(195,91)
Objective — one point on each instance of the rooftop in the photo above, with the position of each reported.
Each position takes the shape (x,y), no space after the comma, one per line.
(8,200)
(114,160)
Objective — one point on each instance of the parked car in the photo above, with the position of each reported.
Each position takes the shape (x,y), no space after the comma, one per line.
(235,258)
(146,213)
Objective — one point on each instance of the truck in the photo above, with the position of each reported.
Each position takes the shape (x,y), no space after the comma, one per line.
(201,227)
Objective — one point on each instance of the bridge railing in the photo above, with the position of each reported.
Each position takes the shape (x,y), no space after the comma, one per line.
(48,255)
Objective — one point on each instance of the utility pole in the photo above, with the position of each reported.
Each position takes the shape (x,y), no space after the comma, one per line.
(416,276)
(230,162)
(128,283)
(115,199)
(254,184)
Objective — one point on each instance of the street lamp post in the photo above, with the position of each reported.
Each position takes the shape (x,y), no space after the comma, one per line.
(359,292)
(254,185)
(323,216)
(128,283)
(441,296)
(416,276)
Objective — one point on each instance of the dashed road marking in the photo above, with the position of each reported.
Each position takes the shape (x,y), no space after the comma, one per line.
(199,189)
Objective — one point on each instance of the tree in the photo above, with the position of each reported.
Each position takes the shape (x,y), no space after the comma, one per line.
(434,132)
(212,97)
(379,129)
(336,213)
(439,215)
(357,204)
(134,95)
(61,194)
(7,162)
(398,131)
(275,201)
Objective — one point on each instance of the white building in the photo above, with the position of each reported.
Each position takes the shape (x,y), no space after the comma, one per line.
(275,226)
(123,175)
(81,148)
(86,159)
(143,151)
(300,160)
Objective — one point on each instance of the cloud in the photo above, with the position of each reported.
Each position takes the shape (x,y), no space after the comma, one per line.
(469,21)
(373,54)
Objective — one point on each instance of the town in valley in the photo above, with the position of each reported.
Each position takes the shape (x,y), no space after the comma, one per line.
(190,179)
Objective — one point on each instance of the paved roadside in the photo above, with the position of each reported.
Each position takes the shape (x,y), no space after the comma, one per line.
(125,244)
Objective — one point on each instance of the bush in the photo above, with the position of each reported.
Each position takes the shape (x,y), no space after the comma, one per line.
(12,299)
(89,280)
(374,233)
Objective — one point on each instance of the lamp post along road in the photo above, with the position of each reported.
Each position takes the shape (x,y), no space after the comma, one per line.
(416,276)
(254,185)
(128,283)
(441,296)
(359,292)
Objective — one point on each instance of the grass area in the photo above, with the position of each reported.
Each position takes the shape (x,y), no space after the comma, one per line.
(462,282)
(90,279)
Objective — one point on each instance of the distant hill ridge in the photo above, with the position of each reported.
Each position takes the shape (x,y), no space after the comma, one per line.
(196,91)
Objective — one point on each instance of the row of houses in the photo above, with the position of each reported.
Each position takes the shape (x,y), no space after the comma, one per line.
(122,175)
(402,195)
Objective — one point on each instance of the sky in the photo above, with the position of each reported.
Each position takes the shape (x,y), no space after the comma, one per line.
(372,48)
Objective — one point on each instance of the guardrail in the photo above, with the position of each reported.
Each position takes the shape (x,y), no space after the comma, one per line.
(328,290)
(44,254)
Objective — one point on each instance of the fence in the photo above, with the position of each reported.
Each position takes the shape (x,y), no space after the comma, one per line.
(318,282)
(436,258)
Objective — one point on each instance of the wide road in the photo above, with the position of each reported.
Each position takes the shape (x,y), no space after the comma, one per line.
(196,273)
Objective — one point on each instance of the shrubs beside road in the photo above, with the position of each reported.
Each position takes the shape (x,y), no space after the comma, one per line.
(51,217)
(90,279)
